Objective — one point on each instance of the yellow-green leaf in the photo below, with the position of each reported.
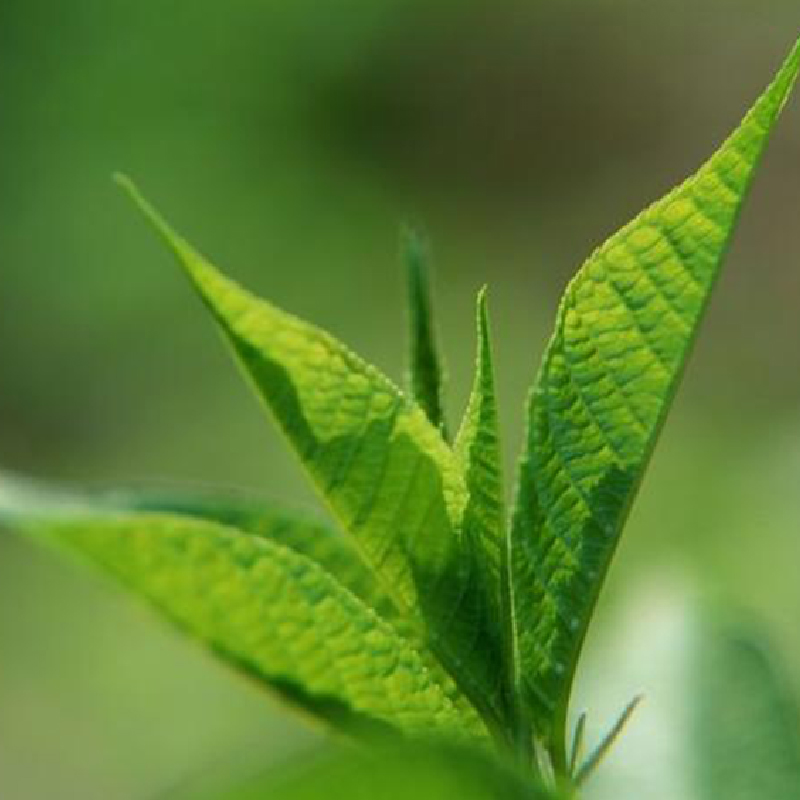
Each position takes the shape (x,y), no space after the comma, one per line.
(265,608)
(384,470)
(321,543)
(478,449)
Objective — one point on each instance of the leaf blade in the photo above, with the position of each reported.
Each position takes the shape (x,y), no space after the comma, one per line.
(268,610)
(272,346)
(318,542)
(309,537)
(477,448)
(623,334)
(384,471)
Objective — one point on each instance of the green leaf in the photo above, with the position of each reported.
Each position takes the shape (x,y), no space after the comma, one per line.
(745,740)
(385,472)
(427,373)
(622,336)
(322,544)
(265,608)
(576,751)
(309,537)
(477,447)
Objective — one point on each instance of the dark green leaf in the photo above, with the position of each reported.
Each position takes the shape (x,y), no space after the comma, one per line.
(427,373)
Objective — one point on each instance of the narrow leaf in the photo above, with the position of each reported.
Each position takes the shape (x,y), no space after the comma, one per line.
(576,751)
(477,447)
(386,473)
(263,607)
(623,333)
(745,731)
(603,749)
(426,370)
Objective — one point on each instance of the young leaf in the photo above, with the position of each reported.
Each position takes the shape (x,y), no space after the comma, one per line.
(267,609)
(384,470)
(622,336)
(425,363)
(478,449)
(745,731)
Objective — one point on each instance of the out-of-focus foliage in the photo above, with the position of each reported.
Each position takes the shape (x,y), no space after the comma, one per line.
(746,731)
(407,773)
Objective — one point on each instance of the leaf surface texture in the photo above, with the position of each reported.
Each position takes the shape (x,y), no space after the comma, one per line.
(622,336)
(271,611)
(386,473)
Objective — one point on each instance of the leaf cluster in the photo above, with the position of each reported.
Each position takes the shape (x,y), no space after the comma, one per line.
(426,608)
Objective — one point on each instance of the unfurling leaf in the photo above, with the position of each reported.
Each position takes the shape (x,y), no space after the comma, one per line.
(477,447)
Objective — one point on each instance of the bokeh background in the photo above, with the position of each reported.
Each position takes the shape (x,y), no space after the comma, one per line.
(289,141)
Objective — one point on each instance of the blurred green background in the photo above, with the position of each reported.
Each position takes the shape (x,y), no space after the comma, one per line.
(289,141)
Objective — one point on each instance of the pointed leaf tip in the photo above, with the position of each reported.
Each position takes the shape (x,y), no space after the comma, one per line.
(132,191)
(426,363)
(185,254)
(483,303)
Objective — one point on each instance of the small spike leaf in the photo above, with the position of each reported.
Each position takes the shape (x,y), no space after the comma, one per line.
(426,370)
